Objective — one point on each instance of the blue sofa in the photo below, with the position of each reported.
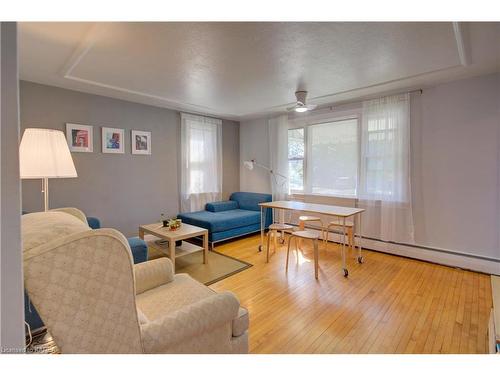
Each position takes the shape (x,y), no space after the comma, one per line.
(139,253)
(236,217)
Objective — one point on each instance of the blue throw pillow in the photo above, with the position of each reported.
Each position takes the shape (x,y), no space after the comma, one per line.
(221,206)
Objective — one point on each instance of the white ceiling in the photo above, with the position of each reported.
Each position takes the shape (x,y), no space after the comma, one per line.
(243,70)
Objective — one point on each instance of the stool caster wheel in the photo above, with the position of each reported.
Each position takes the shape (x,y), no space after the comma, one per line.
(360,260)
(346,272)
(260,247)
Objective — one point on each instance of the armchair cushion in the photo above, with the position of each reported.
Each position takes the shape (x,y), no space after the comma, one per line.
(221,206)
(163,334)
(167,298)
(152,274)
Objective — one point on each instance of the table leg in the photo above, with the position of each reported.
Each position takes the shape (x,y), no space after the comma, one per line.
(267,246)
(360,256)
(261,227)
(205,248)
(302,226)
(282,221)
(316,258)
(141,233)
(171,251)
(344,266)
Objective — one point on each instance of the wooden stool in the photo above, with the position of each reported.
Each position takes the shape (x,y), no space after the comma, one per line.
(349,231)
(306,235)
(305,218)
(273,231)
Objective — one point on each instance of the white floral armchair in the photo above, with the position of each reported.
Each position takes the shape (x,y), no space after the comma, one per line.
(94,300)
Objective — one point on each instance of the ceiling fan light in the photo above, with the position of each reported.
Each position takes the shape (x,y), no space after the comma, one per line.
(300,109)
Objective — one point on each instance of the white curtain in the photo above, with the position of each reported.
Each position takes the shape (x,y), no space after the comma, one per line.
(278,152)
(384,189)
(201,161)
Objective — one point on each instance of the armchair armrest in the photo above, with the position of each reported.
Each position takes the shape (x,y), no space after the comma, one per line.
(153,273)
(188,322)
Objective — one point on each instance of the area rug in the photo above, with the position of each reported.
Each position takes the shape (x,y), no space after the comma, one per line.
(219,266)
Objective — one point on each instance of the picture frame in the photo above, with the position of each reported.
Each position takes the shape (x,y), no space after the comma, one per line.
(80,137)
(113,140)
(141,142)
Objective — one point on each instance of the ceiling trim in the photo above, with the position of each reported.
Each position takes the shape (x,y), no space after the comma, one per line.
(84,48)
(463,43)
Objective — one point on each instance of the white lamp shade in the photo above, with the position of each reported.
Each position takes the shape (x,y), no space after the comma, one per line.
(44,153)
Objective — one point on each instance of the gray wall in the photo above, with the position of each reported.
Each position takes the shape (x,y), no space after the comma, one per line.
(230,157)
(254,144)
(123,190)
(456,165)
(11,274)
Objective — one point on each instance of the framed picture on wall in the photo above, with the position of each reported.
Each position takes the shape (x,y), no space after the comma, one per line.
(80,137)
(141,142)
(113,141)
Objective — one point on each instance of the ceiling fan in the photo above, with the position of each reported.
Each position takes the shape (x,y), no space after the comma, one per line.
(301,105)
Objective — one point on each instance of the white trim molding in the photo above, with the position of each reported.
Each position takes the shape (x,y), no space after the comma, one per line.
(434,255)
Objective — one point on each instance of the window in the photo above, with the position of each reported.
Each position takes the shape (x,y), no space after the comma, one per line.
(329,163)
(201,168)
(333,158)
(296,159)
(366,156)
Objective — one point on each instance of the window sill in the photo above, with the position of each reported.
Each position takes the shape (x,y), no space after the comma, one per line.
(302,194)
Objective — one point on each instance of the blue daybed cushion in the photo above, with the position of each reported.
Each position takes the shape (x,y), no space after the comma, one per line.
(222,220)
(250,201)
(221,206)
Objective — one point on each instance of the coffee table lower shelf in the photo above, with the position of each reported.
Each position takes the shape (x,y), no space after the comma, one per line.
(162,246)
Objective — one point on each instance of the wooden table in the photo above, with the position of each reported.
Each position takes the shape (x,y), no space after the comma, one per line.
(184,232)
(325,209)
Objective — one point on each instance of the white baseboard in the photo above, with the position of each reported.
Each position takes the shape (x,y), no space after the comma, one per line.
(444,257)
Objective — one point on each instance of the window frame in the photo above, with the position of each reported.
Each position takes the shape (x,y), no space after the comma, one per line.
(322,119)
(295,191)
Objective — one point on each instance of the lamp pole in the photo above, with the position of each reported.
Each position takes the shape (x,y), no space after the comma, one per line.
(45,190)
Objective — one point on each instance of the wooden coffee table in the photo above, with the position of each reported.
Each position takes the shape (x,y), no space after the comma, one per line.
(184,232)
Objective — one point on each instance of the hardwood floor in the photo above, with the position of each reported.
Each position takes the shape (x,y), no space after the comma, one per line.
(389,304)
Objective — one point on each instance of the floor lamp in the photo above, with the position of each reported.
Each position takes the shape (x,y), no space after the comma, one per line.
(250,164)
(44,153)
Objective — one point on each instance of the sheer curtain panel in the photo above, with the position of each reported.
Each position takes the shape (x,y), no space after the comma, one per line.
(278,151)
(384,188)
(201,161)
